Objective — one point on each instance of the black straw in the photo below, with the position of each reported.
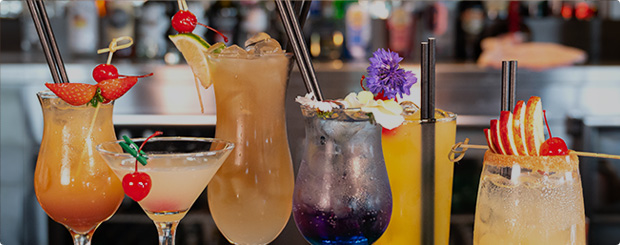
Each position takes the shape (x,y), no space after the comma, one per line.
(293,31)
(48,42)
(428,141)
(52,41)
(509,78)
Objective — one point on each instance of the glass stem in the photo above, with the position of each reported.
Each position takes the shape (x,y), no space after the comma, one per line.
(166,232)
(81,239)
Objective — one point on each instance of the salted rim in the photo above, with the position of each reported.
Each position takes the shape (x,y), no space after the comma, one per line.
(568,162)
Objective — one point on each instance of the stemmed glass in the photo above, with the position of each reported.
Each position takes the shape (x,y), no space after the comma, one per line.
(530,200)
(180,169)
(72,183)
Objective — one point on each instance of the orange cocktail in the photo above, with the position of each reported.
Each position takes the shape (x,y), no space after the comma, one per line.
(73,184)
(402,148)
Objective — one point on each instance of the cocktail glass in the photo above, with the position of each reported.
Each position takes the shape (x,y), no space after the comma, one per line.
(402,148)
(250,197)
(530,200)
(342,194)
(180,168)
(72,182)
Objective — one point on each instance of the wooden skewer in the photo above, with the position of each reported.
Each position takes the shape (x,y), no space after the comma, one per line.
(465,146)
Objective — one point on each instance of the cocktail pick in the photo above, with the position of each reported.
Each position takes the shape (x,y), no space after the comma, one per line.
(466,146)
(131,148)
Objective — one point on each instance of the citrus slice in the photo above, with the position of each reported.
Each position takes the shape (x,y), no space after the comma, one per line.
(193,48)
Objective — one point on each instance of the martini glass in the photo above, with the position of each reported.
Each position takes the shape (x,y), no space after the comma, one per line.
(180,169)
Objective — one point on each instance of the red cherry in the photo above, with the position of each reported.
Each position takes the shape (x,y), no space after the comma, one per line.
(554,146)
(137,185)
(184,21)
(105,72)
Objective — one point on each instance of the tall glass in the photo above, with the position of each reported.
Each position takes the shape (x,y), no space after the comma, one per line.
(342,195)
(250,197)
(72,182)
(530,200)
(180,168)
(403,159)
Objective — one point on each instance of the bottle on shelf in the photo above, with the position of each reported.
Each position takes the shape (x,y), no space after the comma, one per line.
(120,21)
(153,23)
(83,27)
(401,29)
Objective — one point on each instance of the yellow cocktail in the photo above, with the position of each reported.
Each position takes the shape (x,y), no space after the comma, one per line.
(72,182)
(402,153)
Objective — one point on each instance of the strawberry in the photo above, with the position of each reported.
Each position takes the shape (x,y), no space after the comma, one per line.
(112,89)
(73,93)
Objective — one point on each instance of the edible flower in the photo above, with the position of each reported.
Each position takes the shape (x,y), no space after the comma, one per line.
(385,112)
(386,77)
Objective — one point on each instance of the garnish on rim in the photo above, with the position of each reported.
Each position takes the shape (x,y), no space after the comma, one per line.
(385,77)
(110,85)
(137,185)
(554,146)
(185,21)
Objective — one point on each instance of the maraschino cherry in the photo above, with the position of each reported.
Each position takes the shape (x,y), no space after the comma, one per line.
(105,72)
(137,185)
(185,22)
(554,146)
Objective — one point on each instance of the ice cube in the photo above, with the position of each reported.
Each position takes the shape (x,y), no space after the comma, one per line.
(216,48)
(234,51)
(409,108)
(256,38)
(267,46)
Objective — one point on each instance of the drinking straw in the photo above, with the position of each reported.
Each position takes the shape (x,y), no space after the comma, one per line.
(48,41)
(293,31)
(509,78)
(428,140)
(505,87)
(512,81)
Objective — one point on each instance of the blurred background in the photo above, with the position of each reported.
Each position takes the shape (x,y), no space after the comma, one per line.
(578,78)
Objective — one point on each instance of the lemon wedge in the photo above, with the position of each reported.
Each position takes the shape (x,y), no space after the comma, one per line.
(194,49)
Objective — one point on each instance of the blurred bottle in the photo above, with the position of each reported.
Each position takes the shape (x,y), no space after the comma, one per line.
(83,28)
(255,18)
(120,21)
(224,16)
(358,31)
(470,25)
(152,28)
(401,29)
(326,37)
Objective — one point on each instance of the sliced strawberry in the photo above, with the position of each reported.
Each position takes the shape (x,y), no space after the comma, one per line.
(73,93)
(112,89)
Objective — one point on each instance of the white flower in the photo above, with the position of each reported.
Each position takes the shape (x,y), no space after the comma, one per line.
(310,101)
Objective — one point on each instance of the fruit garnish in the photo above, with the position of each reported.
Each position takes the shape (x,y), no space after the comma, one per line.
(534,129)
(506,133)
(105,72)
(137,185)
(554,146)
(73,93)
(194,49)
(184,21)
(112,89)
(518,124)
(496,137)
(489,136)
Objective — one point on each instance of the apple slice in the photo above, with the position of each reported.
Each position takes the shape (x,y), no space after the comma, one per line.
(518,127)
(506,133)
(489,137)
(534,127)
(495,136)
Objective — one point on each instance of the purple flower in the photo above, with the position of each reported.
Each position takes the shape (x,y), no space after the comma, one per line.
(385,75)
